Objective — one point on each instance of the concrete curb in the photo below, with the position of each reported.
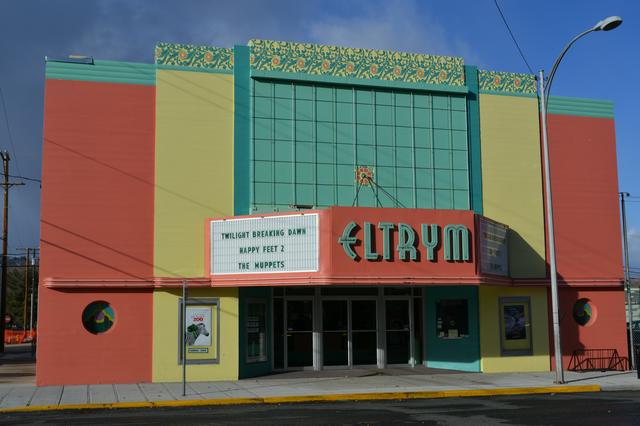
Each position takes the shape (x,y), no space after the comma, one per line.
(313,398)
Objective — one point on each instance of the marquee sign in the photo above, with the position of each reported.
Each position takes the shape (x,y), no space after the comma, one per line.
(493,246)
(344,245)
(270,244)
(453,239)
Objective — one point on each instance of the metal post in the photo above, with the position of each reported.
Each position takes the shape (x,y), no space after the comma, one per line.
(26,292)
(184,337)
(627,281)
(33,291)
(551,238)
(5,233)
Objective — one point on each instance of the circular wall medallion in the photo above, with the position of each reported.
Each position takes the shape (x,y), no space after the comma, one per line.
(98,317)
(584,312)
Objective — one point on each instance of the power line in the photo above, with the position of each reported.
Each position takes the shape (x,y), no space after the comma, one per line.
(6,119)
(513,37)
(26,178)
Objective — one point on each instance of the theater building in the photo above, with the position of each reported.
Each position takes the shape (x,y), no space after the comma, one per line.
(328,207)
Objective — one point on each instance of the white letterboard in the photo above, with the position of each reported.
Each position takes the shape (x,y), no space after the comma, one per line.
(272,244)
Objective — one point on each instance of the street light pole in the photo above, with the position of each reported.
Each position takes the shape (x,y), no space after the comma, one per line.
(627,281)
(555,317)
(606,24)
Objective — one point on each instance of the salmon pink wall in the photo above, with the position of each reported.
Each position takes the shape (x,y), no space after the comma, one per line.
(68,354)
(606,331)
(96,223)
(585,197)
(98,165)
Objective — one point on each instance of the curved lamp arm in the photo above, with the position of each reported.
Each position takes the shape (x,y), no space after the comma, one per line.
(557,62)
(607,24)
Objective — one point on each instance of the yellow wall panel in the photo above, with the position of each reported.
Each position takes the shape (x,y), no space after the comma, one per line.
(512,178)
(491,360)
(166,309)
(194,166)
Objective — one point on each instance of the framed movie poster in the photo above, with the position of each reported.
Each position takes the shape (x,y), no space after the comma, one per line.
(515,326)
(200,330)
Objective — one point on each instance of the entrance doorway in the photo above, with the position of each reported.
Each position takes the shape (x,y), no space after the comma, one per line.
(299,314)
(346,327)
(293,333)
(349,332)
(398,331)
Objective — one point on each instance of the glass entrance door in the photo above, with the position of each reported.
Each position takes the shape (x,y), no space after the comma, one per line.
(299,321)
(349,332)
(335,336)
(364,341)
(398,331)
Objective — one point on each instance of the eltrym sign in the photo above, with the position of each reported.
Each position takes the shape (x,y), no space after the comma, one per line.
(350,246)
(401,239)
(259,245)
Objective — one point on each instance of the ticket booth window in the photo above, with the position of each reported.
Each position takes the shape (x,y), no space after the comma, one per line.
(452,318)
(256,331)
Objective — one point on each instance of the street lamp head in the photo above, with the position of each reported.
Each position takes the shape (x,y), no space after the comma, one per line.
(608,24)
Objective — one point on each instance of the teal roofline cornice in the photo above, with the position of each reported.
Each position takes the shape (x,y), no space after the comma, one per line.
(328,79)
(102,71)
(562,105)
(355,63)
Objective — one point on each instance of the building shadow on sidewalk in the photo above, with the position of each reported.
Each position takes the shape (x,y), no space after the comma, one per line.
(359,372)
(17,364)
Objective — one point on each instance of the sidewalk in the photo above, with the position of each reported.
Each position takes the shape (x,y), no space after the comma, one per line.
(331,385)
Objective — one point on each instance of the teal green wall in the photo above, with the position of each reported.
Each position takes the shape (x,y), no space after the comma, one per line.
(241,131)
(256,368)
(453,354)
(473,122)
(308,139)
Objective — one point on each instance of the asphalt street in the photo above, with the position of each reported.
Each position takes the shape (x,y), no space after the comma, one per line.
(603,408)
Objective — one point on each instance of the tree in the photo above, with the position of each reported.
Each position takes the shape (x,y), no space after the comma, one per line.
(15,292)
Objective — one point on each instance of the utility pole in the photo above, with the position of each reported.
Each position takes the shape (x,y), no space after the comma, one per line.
(627,281)
(5,235)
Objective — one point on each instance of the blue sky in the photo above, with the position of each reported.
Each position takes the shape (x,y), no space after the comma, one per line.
(602,65)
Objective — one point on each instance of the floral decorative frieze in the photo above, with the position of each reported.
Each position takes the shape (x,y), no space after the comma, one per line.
(508,82)
(187,55)
(337,61)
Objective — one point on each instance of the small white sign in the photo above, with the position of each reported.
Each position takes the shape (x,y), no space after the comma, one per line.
(273,244)
(494,248)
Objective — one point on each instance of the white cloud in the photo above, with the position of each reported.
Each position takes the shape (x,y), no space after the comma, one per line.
(390,25)
(128,30)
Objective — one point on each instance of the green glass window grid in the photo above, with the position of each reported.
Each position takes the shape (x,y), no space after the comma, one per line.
(315,136)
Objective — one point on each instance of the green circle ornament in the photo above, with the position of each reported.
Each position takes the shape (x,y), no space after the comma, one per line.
(98,317)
